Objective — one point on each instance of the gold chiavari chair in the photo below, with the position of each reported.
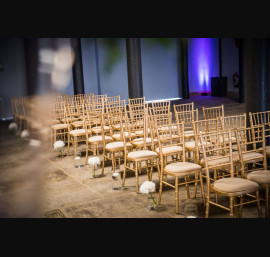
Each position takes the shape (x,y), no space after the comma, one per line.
(213,112)
(94,142)
(258,118)
(137,160)
(114,150)
(232,122)
(217,154)
(142,130)
(173,162)
(19,112)
(252,157)
(59,129)
(187,117)
(76,132)
(116,111)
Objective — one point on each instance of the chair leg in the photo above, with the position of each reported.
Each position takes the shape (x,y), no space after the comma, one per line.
(207,207)
(176,196)
(137,177)
(124,175)
(231,207)
(258,204)
(202,188)
(267,202)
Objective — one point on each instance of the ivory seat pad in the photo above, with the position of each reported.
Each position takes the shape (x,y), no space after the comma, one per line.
(98,128)
(119,144)
(267,150)
(189,134)
(190,145)
(173,127)
(251,155)
(141,132)
(77,122)
(220,161)
(70,119)
(54,122)
(126,135)
(141,154)
(140,141)
(59,126)
(259,176)
(182,167)
(78,132)
(99,138)
(231,185)
(170,149)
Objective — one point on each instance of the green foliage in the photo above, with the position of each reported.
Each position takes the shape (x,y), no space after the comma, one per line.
(115,52)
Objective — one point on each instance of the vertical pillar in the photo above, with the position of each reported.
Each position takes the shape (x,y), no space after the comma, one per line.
(31,64)
(241,77)
(134,67)
(77,69)
(183,60)
(257,59)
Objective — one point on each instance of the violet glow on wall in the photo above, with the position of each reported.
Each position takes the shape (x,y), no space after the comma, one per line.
(202,63)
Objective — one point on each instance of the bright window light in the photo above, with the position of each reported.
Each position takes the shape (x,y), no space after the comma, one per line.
(161,100)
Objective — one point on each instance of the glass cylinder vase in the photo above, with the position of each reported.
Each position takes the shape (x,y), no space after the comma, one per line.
(152,203)
(117,181)
(78,162)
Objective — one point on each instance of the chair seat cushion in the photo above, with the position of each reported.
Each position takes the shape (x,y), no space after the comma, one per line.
(252,155)
(117,135)
(220,161)
(182,167)
(140,141)
(170,149)
(267,150)
(141,154)
(99,139)
(233,185)
(118,144)
(98,129)
(141,132)
(54,122)
(189,134)
(190,145)
(259,176)
(78,132)
(59,126)
(77,123)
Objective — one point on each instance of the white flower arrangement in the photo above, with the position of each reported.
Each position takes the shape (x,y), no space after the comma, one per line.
(25,133)
(12,126)
(94,161)
(148,187)
(59,145)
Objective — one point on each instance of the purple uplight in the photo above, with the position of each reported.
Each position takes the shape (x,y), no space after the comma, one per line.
(201,59)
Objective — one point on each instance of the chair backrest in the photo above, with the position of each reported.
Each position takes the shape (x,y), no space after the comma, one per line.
(216,151)
(186,116)
(251,147)
(165,104)
(213,112)
(172,136)
(232,122)
(183,107)
(258,118)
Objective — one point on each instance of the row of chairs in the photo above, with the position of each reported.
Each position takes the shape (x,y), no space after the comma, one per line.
(181,146)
